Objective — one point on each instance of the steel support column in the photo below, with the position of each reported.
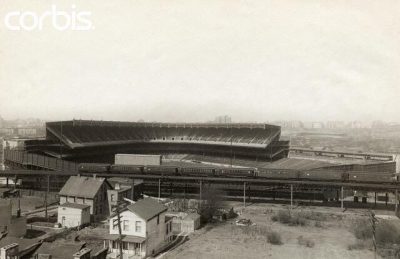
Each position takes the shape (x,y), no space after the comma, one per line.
(244,194)
(341,197)
(45,197)
(396,200)
(291,196)
(159,188)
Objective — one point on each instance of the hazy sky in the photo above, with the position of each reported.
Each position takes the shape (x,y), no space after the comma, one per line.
(191,60)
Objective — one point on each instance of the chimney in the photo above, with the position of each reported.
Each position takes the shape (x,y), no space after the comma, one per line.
(82,254)
(117,186)
(9,251)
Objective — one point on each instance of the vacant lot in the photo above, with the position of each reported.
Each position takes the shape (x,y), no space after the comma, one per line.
(27,203)
(322,233)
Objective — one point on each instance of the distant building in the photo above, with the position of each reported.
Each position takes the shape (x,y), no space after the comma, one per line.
(26,132)
(6,131)
(73,215)
(90,191)
(335,125)
(317,125)
(145,230)
(223,119)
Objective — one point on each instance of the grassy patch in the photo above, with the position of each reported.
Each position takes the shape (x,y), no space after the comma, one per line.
(305,242)
(274,238)
(387,236)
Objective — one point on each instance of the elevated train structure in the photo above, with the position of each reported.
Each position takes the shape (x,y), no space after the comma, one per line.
(21,159)
(256,157)
(341,154)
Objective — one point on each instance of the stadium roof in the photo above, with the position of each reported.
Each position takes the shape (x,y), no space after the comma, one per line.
(77,133)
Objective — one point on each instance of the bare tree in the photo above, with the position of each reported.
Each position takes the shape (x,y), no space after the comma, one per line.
(211,202)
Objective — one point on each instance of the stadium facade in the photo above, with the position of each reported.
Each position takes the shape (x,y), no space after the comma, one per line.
(99,141)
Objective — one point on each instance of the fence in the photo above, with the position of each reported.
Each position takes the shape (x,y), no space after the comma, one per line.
(29,159)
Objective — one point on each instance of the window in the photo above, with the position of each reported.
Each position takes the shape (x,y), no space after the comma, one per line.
(112,197)
(115,244)
(138,226)
(125,245)
(115,224)
(125,224)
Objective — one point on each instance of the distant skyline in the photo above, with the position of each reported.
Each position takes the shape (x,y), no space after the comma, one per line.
(193,60)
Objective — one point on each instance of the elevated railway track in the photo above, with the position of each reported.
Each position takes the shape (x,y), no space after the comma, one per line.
(46,173)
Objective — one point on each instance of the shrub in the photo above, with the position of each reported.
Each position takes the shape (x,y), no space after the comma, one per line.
(284,216)
(360,245)
(387,233)
(274,238)
(318,224)
(292,219)
(362,229)
(298,220)
(305,242)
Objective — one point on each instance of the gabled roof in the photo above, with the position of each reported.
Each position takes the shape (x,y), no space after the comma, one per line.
(79,186)
(147,208)
(75,205)
(60,249)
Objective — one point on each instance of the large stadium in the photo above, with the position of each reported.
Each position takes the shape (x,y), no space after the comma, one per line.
(99,141)
(256,146)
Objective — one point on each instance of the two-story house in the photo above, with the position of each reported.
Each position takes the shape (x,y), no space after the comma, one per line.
(90,191)
(145,230)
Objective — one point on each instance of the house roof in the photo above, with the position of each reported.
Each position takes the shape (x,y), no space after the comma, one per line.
(80,186)
(192,216)
(147,208)
(60,249)
(22,242)
(75,205)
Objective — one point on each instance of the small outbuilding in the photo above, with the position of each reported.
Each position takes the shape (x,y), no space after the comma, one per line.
(72,215)
(190,223)
(184,222)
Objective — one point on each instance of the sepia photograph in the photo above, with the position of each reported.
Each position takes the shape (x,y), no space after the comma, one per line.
(199,129)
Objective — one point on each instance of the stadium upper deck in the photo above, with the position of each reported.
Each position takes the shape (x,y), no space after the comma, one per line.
(79,137)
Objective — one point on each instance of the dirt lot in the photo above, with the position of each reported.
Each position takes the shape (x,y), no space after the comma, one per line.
(27,203)
(331,236)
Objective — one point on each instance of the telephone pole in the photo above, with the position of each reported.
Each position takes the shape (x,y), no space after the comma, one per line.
(374,220)
(117,208)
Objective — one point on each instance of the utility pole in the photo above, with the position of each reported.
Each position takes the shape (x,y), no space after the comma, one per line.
(342,197)
(291,196)
(133,190)
(244,194)
(159,189)
(45,198)
(117,208)
(374,220)
(61,144)
(231,146)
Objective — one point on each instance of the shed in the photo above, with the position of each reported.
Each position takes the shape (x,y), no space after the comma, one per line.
(73,215)
(190,223)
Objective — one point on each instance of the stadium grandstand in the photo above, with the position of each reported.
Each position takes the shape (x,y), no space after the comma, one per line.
(99,141)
